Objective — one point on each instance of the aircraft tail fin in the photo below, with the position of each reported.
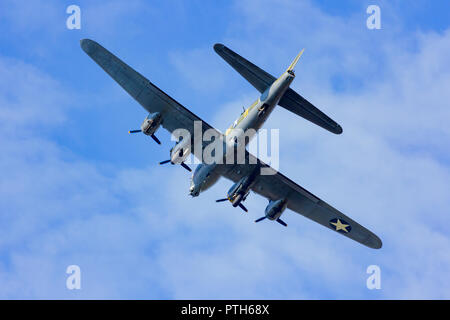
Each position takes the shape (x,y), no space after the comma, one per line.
(292,66)
(291,100)
(295,103)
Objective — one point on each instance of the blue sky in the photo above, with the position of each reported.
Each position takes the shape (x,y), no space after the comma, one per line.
(77,189)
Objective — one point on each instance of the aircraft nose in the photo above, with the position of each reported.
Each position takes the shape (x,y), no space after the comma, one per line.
(192,191)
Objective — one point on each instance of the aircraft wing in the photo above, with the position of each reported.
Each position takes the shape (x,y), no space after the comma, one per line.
(257,77)
(291,100)
(277,186)
(148,95)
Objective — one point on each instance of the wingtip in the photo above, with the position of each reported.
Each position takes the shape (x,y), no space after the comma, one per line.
(334,128)
(88,45)
(338,130)
(379,244)
(218,46)
(84,42)
(374,242)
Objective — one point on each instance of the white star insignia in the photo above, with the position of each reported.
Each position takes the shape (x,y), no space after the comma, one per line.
(340,226)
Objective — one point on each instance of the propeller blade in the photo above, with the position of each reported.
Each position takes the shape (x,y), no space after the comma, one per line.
(134,131)
(156,139)
(281,222)
(222,200)
(260,219)
(184,165)
(242,207)
(164,162)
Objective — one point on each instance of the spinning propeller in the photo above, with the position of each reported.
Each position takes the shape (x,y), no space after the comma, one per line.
(184,165)
(278,220)
(152,135)
(240,204)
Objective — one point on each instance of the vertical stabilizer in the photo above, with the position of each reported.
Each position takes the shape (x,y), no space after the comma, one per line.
(292,66)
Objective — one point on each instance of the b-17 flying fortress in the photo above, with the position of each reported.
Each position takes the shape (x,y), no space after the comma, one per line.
(250,174)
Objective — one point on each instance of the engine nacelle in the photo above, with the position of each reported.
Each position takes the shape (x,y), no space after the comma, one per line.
(275,208)
(239,191)
(180,151)
(151,123)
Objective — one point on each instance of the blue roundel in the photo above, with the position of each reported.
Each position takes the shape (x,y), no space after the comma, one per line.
(340,225)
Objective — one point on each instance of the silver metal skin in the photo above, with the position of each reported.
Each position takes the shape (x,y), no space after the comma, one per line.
(203,178)
(180,152)
(255,115)
(252,118)
(239,191)
(151,123)
(281,191)
(275,208)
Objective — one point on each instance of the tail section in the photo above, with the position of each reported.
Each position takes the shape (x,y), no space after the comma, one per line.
(292,66)
(291,100)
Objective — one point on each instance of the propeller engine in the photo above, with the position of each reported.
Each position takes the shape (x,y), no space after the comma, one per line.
(274,210)
(179,153)
(150,125)
(239,192)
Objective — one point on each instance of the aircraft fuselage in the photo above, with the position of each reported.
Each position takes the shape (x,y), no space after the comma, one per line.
(248,123)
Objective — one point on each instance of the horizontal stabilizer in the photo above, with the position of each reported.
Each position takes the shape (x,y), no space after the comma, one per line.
(295,103)
(291,100)
(253,74)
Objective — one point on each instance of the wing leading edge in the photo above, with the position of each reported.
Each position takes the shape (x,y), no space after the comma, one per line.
(300,200)
(143,91)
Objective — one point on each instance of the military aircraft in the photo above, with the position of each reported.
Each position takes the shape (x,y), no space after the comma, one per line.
(281,192)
